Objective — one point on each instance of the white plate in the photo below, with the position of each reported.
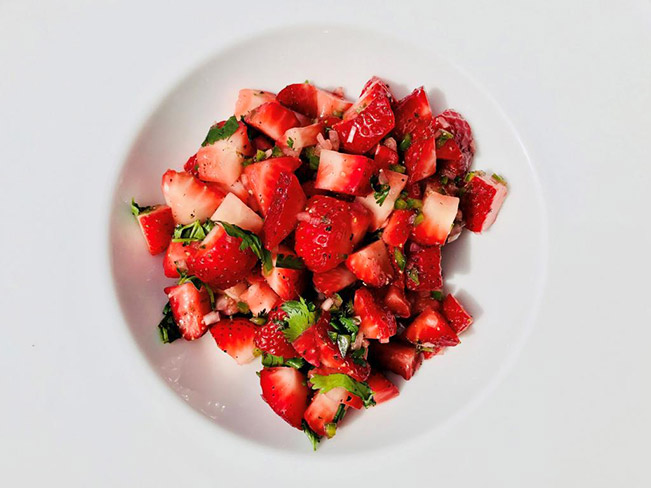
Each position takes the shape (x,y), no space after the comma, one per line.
(559,100)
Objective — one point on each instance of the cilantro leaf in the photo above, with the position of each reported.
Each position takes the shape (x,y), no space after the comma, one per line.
(196,231)
(380,191)
(217,133)
(243,307)
(498,178)
(312,158)
(276,152)
(167,328)
(300,316)
(252,241)
(290,143)
(400,258)
(412,274)
(296,363)
(311,435)
(437,295)
(358,388)
(398,168)
(260,155)
(136,209)
(358,356)
(289,261)
(270,361)
(405,143)
(185,278)
(341,411)
(444,137)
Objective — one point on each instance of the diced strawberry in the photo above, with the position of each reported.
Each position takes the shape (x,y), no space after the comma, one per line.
(324,236)
(373,89)
(344,173)
(287,283)
(189,198)
(459,319)
(329,120)
(401,359)
(272,119)
(439,212)
(414,190)
(236,337)
(285,390)
(330,282)
(191,166)
(396,301)
(433,352)
(481,202)
(307,346)
(377,321)
(385,157)
(225,304)
(262,178)
(361,133)
(189,305)
(450,157)
(398,228)
(342,395)
(454,165)
(299,137)
(423,269)
(371,264)
(420,159)
(176,257)
(420,300)
(270,339)
(360,220)
(380,213)
(310,190)
(262,143)
(328,104)
(287,202)
(321,411)
(311,101)
(383,389)
(157,226)
(431,329)
(219,261)
(233,211)
(260,298)
(410,111)
(248,99)
(255,276)
(222,161)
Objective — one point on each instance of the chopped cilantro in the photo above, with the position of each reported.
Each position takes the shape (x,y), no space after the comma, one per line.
(276,152)
(290,143)
(136,209)
(312,158)
(358,356)
(270,361)
(259,320)
(498,178)
(296,363)
(338,113)
(252,241)
(400,204)
(444,137)
(311,435)
(167,328)
(380,190)
(469,176)
(243,307)
(412,274)
(444,180)
(400,258)
(398,168)
(217,133)
(289,261)
(196,231)
(185,278)
(300,316)
(260,155)
(419,219)
(405,143)
(330,429)
(358,388)
(437,295)
(341,411)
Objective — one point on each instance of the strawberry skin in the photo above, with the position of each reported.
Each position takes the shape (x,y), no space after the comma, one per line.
(411,111)
(324,237)
(285,390)
(309,100)
(344,173)
(270,339)
(457,161)
(371,264)
(157,226)
(383,389)
(423,269)
(236,337)
(458,317)
(287,202)
(176,257)
(431,329)
(330,282)
(189,198)
(385,157)
(420,159)
(361,133)
(373,89)
(401,359)
(377,322)
(248,99)
(272,119)
(482,199)
(398,228)
(189,306)
(221,161)
(262,178)
(360,219)
(396,301)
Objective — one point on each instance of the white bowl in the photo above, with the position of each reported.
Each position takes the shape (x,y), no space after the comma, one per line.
(499,275)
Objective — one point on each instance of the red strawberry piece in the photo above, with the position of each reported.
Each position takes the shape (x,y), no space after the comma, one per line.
(287,202)
(262,178)
(248,99)
(272,119)
(219,261)
(330,120)
(410,111)
(285,390)
(307,346)
(262,143)
(286,282)
(361,133)
(458,317)
(339,394)
(226,304)
(157,226)
(451,152)
(401,359)
(481,202)
(380,212)
(439,212)
(385,157)
(236,212)
(189,305)
(360,221)
(236,337)
(312,101)
(414,190)
(330,282)
(323,235)
(431,329)
(329,104)
(322,411)
(191,166)
(457,153)
(222,161)
(270,339)
(396,301)
(260,298)
(432,353)
(344,173)
(423,270)
(373,89)
(398,228)
(420,159)
(310,189)
(176,257)
(189,198)
(420,300)
(383,389)
(299,137)
(371,264)
(376,321)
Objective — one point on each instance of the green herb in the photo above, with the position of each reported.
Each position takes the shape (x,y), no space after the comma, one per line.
(296,363)
(289,261)
(405,143)
(196,231)
(338,113)
(419,219)
(312,158)
(421,348)
(247,162)
(167,328)
(400,258)
(300,316)
(330,429)
(311,435)
(444,180)
(469,176)
(398,168)
(290,143)
(243,307)
(400,204)
(358,356)
(271,361)
(185,278)
(341,411)
(414,203)
(307,81)
(259,320)
(498,178)
(412,274)
(358,388)
(136,209)
(217,133)
(380,191)
(437,295)
(444,137)
(252,241)
(260,155)
(276,152)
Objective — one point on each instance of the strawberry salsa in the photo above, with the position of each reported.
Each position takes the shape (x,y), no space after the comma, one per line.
(307,230)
